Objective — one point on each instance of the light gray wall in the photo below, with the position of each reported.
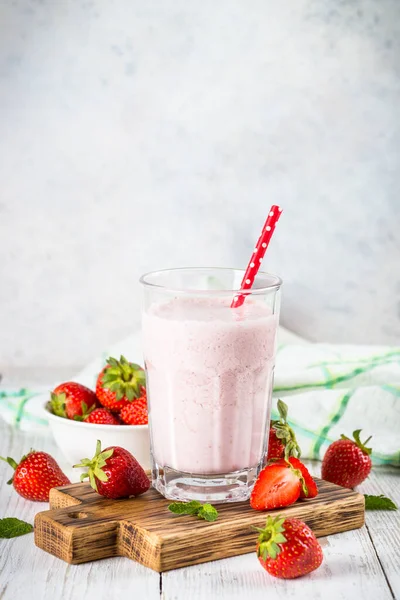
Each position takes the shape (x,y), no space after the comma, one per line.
(141,135)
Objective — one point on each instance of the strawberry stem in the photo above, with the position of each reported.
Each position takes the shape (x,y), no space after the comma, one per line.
(270,537)
(10,461)
(285,433)
(299,475)
(124,378)
(95,466)
(358,442)
(57,404)
(85,411)
(283,410)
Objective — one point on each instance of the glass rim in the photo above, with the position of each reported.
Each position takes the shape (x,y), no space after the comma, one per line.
(277,282)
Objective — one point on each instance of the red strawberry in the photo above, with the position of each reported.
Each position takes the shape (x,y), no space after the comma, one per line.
(135,413)
(277,485)
(72,399)
(115,473)
(287,548)
(276,450)
(282,439)
(281,484)
(35,475)
(119,383)
(347,463)
(102,416)
(310,484)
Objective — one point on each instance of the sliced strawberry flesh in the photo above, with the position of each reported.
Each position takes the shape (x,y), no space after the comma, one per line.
(276,486)
(308,480)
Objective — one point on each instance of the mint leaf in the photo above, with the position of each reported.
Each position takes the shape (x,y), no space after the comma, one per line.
(208,512)
(11,527)
(185,508)
(379,503)
(195,508)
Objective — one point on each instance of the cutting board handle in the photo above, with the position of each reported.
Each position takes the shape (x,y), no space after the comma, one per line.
(75,534)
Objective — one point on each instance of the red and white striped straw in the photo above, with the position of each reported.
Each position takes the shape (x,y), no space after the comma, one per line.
(258,254)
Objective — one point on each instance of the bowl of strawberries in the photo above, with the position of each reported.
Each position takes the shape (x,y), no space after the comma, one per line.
(116,413)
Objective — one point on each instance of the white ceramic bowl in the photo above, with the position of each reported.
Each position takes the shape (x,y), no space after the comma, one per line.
(77,440)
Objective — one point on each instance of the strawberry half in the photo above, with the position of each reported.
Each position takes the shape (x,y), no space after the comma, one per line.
(277,485)
(115,473)
(281,484)
(287,548)
(282,439)
(119,383)
(35,475)
(309,482)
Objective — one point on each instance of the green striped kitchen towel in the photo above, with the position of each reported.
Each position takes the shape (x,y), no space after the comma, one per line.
(330,389)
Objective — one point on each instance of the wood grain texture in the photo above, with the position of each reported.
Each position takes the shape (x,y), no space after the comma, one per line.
(28,572)
(83,527)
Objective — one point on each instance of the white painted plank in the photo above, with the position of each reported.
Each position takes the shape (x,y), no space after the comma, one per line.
(26,571)
(350,570)
(384,526)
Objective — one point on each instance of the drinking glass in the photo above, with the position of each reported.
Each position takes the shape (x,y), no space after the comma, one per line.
(209,371)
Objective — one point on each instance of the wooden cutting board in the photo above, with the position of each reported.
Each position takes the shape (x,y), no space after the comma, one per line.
(82,526)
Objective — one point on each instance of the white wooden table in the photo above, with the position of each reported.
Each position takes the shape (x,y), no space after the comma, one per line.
(358,564)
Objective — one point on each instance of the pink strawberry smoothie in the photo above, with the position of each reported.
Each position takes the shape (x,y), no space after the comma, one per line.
(209,370)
